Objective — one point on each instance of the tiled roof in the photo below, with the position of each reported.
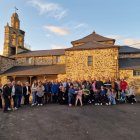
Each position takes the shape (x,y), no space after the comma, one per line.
(91,45)
(35,70)
(128,49)
(40,53)
(129,63)
(92,37)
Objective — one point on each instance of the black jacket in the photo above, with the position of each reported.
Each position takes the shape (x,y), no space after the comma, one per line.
(99,84)
(7,90)
(18,90)
(25,90)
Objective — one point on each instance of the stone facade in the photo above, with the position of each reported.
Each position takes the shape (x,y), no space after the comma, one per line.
(61,77)
(105,63)
(6,63)
(47,60)
(125,74)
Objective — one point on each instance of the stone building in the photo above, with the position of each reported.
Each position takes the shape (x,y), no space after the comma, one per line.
(91,57)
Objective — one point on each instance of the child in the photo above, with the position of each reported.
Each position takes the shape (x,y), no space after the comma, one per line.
(103,97)
(79,96)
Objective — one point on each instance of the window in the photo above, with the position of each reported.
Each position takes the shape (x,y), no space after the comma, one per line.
(29,60)
(136,73)
(90,60)
(57,59)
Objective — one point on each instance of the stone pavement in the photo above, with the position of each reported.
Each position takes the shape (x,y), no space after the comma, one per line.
(58,122)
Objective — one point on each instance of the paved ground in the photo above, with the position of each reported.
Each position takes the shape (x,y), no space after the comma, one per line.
(58,122)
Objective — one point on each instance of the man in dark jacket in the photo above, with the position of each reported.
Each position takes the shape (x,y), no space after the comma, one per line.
(18,93)
(47,93)
(7,89)
(99,83)
(26,93)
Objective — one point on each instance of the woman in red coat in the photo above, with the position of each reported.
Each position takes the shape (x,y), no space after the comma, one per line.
(123,85)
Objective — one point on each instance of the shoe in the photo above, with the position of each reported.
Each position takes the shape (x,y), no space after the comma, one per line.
(15,108)
(106,103)
(32,104)
(9,109)
(101,104)
(38,105)
(70,105)
(41,104)
(131,103)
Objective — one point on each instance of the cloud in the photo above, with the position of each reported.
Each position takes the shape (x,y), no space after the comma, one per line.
(55,46)
(125,40)
(80,25)
(52,9)
(57,30)
(132,42)
(117,37)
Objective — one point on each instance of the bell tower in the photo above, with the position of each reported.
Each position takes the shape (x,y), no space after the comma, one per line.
(14,37)
(15,22)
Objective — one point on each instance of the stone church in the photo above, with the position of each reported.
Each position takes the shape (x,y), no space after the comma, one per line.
(90,57)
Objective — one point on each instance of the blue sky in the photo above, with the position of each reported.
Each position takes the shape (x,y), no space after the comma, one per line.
(55,23)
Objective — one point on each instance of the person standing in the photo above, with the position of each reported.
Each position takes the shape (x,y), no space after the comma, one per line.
(55,90)
(7,96)
(34,90)
(18,93)
(71,92)
(40,93)
(26,93)
(79,96)
(14,95)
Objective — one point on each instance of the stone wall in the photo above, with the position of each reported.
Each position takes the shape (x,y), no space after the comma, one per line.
(6,63)
(125,74)
(21,61)
(61,77)
(105,63)
(46,60)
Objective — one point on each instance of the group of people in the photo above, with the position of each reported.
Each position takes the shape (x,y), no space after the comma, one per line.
(97,92)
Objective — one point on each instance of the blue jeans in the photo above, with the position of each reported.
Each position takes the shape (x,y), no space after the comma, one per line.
(34,100)
(113,101)
(70,99)
(18,100)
